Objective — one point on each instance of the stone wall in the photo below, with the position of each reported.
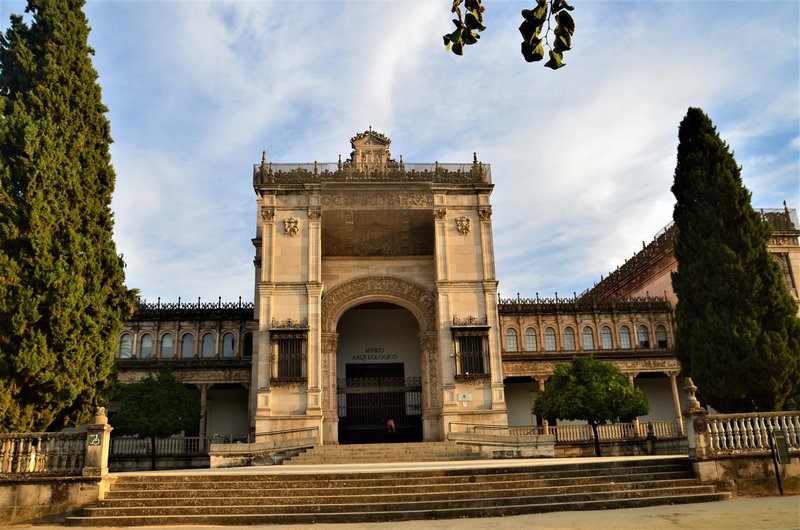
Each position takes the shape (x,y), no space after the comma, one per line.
(750,475)
(36,499)
(673,446)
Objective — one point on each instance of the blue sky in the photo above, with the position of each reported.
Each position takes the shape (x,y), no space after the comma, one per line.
(582,158)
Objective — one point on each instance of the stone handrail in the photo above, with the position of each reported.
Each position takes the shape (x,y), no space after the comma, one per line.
(748,433)
(42,453)
(301,433)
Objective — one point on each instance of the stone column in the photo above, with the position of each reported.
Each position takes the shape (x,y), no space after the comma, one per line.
(631,376)
(432,428)
(203,402)
(676,402)
(98,444)
(330,413)
(545,425)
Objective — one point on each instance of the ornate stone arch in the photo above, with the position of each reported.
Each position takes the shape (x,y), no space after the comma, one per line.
(415,298)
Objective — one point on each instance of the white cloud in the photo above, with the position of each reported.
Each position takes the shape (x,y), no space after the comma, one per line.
(582,158)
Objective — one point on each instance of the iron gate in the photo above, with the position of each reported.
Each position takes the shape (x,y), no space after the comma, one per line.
(365,405)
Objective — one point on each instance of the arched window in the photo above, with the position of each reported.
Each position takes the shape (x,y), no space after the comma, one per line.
(644,336)
(530,340)
(661,336)
(125,347)
(511,340)
(588,338)
(146,346)
(247,345)
(605,338)
(227,345)
(187,346)
(569,339)
(166,346)
(207,349)
(625,338)
(550,339)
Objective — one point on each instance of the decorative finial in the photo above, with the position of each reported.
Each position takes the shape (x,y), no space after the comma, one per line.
(316,168)
(263,157)
(474,157)
(691,389)
(370,128)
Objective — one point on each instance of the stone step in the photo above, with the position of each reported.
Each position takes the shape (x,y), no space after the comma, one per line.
(368,504)
(290,487)
(395,515)
(353,496)
(368,479)
(279,497)
(385,452)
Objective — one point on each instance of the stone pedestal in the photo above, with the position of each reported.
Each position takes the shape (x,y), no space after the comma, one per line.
(98,444)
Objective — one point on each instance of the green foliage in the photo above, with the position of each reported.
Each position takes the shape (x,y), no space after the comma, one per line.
(158,406)
(467,25)
(591,390)
(738,335)
(62,298)
(533,22)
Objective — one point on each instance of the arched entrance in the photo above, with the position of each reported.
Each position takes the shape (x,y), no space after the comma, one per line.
(365,323)
(378,375)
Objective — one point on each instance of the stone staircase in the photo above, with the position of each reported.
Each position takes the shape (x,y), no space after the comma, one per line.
(250,497)
(385,452)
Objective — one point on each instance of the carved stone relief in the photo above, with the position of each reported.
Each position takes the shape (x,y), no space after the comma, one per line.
(440,213)
(429,350)
(485,213)
(329,343)
(463,225)
(291,226)
(268,214)
(378,200)
(314,214)
(417,299)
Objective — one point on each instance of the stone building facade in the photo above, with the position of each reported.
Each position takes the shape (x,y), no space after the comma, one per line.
(375,298)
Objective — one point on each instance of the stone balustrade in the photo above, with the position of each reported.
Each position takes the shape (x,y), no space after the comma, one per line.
(42,453)
(173,445)
(749,432)
(607,433)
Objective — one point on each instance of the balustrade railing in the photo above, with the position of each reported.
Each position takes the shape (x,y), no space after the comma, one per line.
(607,433)
(42,453)
(750,432)
(173,445)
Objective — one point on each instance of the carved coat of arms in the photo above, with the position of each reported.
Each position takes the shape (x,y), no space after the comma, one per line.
(291,226)
(463,224)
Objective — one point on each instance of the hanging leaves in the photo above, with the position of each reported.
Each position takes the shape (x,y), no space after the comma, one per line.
(468,23)
(535,29)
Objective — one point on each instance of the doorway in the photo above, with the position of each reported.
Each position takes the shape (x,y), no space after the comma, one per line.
(378,365)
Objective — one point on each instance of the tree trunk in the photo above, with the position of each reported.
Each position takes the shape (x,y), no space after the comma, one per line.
(152,453)
(596,439)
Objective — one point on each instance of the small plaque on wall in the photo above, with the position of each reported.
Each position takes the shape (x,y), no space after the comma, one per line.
(464,396)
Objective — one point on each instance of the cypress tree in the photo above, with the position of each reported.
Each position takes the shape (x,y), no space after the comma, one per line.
(738,335)
(62,298)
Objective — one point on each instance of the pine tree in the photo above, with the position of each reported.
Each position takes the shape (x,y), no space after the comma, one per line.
(62,298)
(738,335)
